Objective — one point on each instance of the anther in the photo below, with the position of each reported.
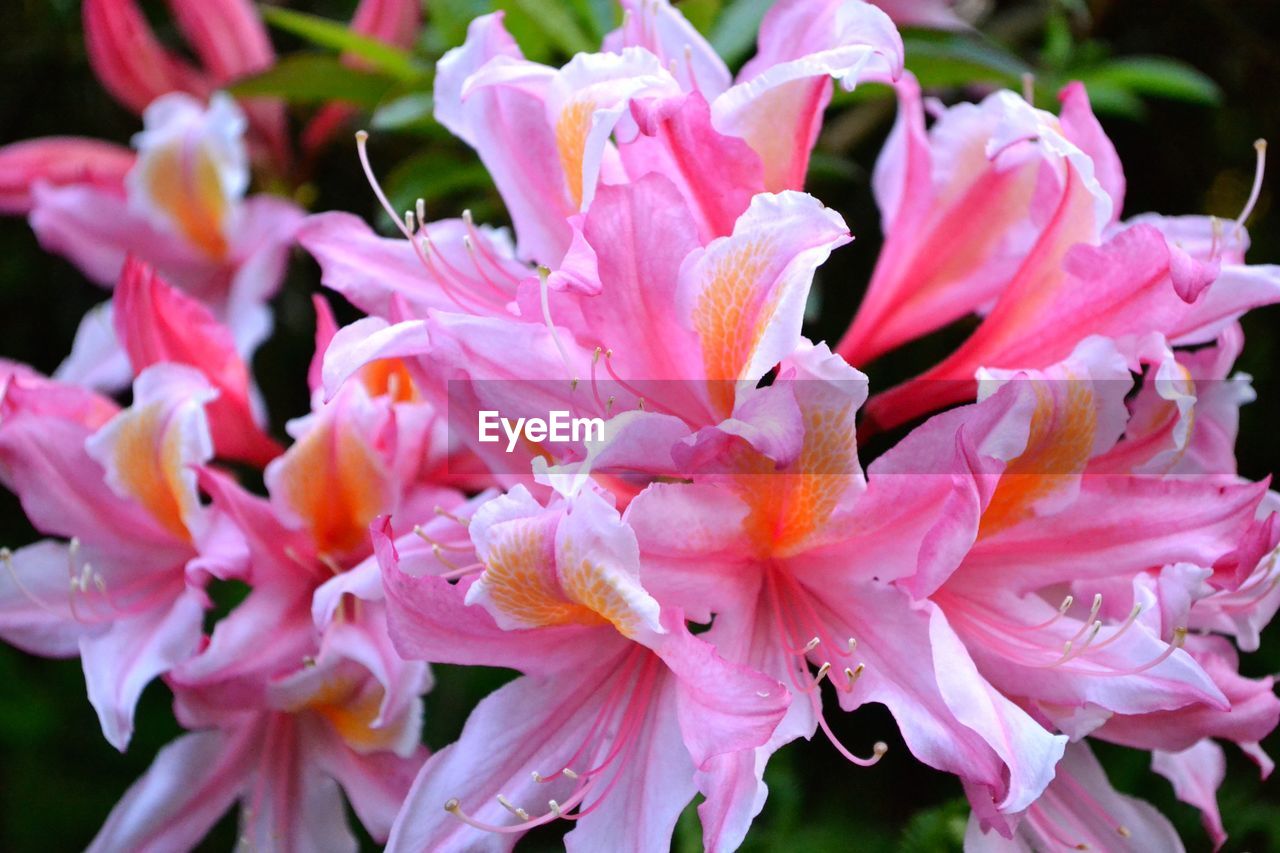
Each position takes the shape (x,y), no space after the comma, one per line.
(555,808)
(450,805)
(515,810)
(822,671)
(569,773)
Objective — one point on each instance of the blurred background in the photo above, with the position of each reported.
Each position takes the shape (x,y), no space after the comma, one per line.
(1183,87)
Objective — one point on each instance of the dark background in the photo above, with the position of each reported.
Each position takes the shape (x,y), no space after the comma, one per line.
(59,779)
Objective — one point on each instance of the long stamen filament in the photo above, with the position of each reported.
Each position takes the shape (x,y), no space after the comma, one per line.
(1259,170)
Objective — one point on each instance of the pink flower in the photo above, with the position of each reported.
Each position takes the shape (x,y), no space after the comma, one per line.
(297,696)
(1079,274)
(227,36)
(780,537)
(965,203)
(287,755)
(230,41)
(618,703)
(126,592)
(544,134)
(157,323)
(684,327)
(1081,808)
(181,208)
(1154,557)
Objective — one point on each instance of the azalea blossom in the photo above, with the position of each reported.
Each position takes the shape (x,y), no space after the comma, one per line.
(619,703)
(230,41)
(180,207)
(1056,548)
(121,583)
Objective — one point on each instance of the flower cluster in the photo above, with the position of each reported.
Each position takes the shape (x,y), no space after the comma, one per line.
(1057,549)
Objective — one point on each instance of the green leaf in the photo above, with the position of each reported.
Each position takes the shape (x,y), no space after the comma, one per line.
(557,24)
(936,829)
(1107,98)
(1155,76)
(956,60)
(1058,43)
(449,20)
(701,13)
(600,16)
(734,34)
(432,177)
(412,111)
(325,33)
(312,78)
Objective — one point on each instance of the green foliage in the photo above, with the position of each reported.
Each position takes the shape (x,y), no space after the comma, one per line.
(390,60)
(961,59)
(734,33)
(316,78)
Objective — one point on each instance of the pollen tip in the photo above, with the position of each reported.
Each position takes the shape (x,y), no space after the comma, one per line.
(1123,831)
(880,748)
(362,136)
(450,805)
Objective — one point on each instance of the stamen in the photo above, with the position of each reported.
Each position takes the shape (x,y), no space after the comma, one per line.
(478,251)
(438,553)
(6,556)
(425,537)
(462,572)
(595,388)
(330,563)
(1254,597)
(1124,626)
(877,751)
(457,519)
(544,295)
(362,149)
(1062,611)
(515,810)
(1259,170)
(1179,640)
(807,647)
(454,807)
(406,225)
